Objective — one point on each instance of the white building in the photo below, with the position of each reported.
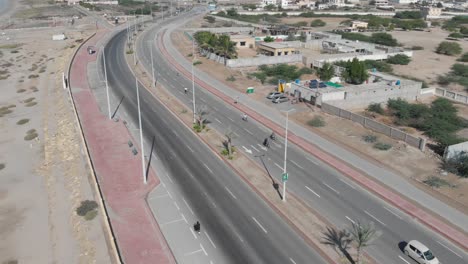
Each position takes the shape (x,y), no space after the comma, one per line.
(404,2)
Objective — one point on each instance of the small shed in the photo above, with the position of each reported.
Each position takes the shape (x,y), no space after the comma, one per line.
(59,37)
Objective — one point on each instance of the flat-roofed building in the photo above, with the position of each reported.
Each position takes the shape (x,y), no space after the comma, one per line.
(243,41)
(279,48)
(358,24)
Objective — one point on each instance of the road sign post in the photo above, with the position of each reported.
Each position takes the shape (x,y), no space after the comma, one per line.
(284,179)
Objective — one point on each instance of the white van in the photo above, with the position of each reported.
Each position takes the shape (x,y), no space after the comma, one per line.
(419,252)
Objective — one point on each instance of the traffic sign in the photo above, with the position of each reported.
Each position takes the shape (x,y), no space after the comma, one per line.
(285,177)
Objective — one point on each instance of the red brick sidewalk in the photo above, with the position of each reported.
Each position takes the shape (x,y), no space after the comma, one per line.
(396,199)
(138,236)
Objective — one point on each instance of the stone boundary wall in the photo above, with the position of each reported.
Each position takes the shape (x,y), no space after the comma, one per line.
(375,126)
(458,97)
(257,61)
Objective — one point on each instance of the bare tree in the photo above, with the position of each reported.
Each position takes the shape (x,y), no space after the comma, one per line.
(200,116)
(340,240)
(362,236)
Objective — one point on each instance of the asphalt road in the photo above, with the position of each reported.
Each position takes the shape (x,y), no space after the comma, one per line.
(321,187)
(243,226)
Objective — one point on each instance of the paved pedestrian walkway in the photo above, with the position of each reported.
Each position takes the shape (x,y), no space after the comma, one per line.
(316,145)
(138,236)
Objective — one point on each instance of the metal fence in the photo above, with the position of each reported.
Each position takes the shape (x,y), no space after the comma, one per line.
(376,126)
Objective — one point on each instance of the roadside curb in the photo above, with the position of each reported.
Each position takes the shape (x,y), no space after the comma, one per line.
(453,234)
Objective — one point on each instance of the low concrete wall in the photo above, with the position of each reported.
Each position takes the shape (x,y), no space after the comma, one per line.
(257,61)
(222,29)
(454,150)
(458,97)
(376,126)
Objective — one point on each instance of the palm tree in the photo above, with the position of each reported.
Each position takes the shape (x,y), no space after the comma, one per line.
(226,47)
(339,240)
(362,236)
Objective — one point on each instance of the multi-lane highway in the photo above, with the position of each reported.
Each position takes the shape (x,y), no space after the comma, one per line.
(241,224)
(321,187)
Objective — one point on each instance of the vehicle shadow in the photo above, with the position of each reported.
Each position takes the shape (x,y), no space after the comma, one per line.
(402,245)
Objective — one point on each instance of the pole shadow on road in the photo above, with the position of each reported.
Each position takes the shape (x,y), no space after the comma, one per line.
(150,158)
(275,184)
(117,108)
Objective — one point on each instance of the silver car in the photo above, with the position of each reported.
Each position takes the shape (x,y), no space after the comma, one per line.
(280,99)
(274,95)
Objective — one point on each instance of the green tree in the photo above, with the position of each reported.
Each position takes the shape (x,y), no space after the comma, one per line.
(455,35)
(384,39)
(318,23)
(463,30)
(408,15)
(226,47)
(232,12)
(440,5)
(270,7)
(210,19)
(340,240)
(302,37)
(326,72)
(362,236)
(355,72)
(268,39)
(464,57)
(449,48)
(400,59)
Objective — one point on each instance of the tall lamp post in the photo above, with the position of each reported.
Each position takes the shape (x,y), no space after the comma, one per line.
(107,85)
(141,132)
(285,175)
(152,64)
(193,80)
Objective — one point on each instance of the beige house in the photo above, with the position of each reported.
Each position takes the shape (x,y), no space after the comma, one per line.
(279,48)
(358,24)
(243,41)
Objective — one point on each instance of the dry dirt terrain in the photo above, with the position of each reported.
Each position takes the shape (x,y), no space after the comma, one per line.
(43,173)
(410,163)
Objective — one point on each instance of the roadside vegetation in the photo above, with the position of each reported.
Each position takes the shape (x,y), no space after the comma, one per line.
(359,236)
(138,7)
(449,48)
(272,74)
(232,13)
(318,23)
(219,44)
(377,38)
(87,209)
(457,24)
(458,74)
(457,165)
(438,121)
(355,71)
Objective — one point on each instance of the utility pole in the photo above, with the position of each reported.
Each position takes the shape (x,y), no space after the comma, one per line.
(141,132)
(285,175)
(193,80)
(107,84)
(134,40)
(152,65)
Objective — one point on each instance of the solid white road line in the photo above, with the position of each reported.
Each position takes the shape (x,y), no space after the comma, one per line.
(169,193)
(175,133)
(311,160)
(264,230)
(177,206)
(295,163)
(188,206)
(292,260)
(167,175)
(185,219)
(240,238)
(393,213)
(193,233)
(229,191)
(403,259)
(193,252)
(209,238)
(218,120)
(375,218)
(255,148)
(281,168)
(450,250)
(173,221)
(237,135)
(312,191)
(331,188)
(351,220)
(190,148)
(230,119)
(206,254)
(248,131)
(208,168)
(349,184)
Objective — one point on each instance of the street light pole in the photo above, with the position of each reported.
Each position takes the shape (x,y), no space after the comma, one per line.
(107,84)
(141,133)
(193,80)
(152,66)
(134,40)
(285,154)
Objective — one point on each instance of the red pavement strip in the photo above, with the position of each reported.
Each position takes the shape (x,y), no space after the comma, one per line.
(396,199)
(138,235)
